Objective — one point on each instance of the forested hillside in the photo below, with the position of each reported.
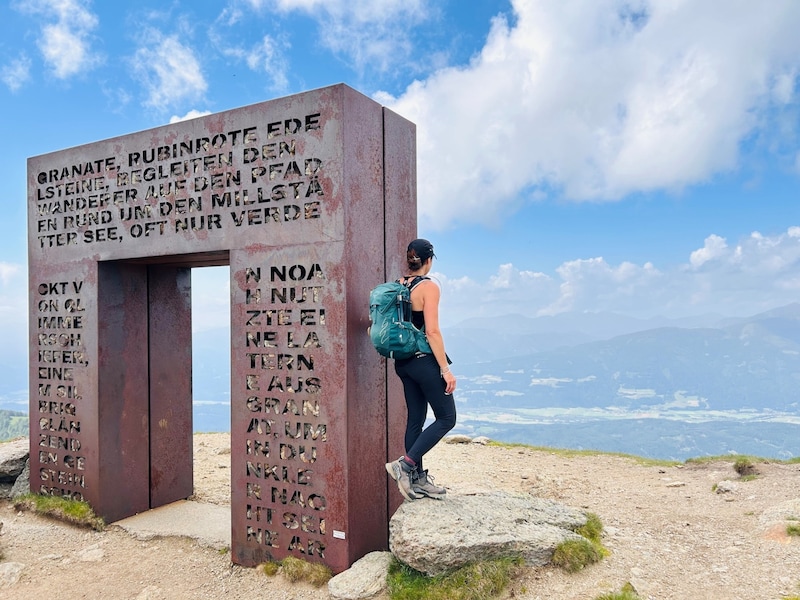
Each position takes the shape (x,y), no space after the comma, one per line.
(12,424)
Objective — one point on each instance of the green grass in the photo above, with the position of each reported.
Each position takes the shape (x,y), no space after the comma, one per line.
(271,568)
(730,458)
(626,593)
(478,581)
(592,529)
(575,555)
(793,529)
(70,511)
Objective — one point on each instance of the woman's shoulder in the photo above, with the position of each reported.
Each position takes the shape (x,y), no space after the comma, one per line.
(425,285)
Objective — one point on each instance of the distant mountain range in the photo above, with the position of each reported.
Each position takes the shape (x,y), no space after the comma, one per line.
(584,379)
(745,364)
(667,392)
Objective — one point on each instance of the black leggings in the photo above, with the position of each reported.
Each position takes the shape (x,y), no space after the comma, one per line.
(423,385)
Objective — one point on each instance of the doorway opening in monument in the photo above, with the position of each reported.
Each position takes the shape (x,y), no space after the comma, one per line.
(211,350)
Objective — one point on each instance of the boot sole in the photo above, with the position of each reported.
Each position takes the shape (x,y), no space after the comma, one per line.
(427,495)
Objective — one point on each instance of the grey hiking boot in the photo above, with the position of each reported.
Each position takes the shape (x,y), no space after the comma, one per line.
(423,485)
(402,473)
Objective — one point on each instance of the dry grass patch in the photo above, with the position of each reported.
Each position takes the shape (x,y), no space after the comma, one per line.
(744,466)
(295,569)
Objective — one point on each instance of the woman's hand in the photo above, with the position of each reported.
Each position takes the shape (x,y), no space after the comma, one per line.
(449,381)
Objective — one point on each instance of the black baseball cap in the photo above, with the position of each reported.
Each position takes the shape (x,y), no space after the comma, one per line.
(422,248)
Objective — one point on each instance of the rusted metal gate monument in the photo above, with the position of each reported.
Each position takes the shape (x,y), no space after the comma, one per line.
(310,200)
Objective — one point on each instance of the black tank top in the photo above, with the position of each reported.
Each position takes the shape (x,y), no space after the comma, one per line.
(417,316)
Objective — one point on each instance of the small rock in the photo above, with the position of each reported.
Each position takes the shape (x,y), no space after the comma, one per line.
(22,485)
(10,573)
(785,511)
(151,592)
(91,554)
(457,439)
(482,439)
(50,557)
(364,579)
(726,487)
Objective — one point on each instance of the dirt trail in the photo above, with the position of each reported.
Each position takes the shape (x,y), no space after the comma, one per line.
(670,534)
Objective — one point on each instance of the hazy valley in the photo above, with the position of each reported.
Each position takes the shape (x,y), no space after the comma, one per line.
(658,388)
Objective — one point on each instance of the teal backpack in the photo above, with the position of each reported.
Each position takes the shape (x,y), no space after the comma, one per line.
(392,332)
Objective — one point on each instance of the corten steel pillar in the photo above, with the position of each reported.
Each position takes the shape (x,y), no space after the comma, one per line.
(311,200)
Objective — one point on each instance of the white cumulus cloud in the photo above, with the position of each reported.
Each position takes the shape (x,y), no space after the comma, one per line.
(714,247)
(597,100)
(269,57)
(367,33)
(66,34)
(758,273)
(16,73)
(192,114)
(168,70)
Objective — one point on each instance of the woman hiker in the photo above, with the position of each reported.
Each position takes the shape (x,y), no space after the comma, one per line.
(427,380)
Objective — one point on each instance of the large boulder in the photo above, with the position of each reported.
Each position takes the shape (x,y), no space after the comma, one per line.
(436,537)
(13,456)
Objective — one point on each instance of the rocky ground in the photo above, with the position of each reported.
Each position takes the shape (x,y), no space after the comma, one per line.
(669,532)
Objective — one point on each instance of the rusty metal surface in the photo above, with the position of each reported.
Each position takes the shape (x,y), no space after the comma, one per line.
(123,446)
(288,426)
(63,395)
(170,350)
(293,194)
(400,229)
(364,194)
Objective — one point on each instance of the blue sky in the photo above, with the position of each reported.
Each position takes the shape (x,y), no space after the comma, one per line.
(636,156)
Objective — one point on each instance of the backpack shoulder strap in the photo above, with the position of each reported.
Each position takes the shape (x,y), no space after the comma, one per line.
(415,281)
